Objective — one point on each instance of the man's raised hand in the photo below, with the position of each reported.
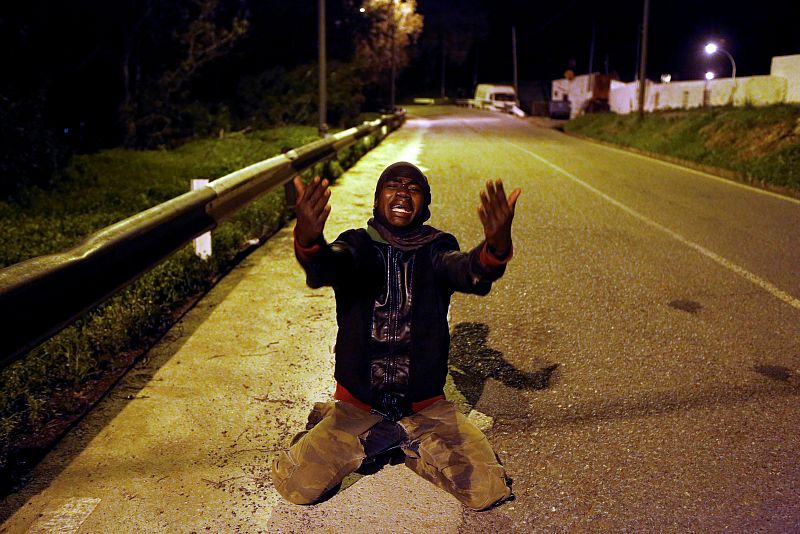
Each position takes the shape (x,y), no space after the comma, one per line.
(496,213)
(312,210)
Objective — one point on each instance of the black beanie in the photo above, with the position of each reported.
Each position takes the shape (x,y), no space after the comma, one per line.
(404,169)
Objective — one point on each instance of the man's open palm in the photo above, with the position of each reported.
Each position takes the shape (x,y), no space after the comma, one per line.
(312,209)
(496,213)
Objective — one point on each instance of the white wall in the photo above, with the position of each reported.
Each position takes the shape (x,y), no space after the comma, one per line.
(623,97)
(754,90)
(782,85)
(788,67)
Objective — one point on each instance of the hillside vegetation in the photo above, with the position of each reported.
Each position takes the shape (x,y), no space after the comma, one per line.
(760,143)
(55,382)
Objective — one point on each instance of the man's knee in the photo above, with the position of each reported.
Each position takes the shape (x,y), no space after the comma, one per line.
(478,486)
(306,478)
(289,483)
(317,462)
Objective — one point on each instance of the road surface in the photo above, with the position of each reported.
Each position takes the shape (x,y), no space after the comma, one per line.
(637,369)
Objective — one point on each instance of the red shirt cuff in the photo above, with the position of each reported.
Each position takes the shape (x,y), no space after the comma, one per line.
(490,260)
(304,252)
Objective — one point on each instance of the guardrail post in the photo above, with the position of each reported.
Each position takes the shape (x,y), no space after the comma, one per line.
(202,243)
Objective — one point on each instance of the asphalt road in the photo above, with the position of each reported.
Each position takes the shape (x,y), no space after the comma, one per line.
(640,362)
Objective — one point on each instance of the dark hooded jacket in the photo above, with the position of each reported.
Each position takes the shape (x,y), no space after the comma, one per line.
(391,309)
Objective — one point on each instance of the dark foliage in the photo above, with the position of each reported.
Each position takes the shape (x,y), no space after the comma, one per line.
(278,96)
(33,152)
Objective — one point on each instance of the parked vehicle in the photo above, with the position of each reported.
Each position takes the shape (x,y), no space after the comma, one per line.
(496,97)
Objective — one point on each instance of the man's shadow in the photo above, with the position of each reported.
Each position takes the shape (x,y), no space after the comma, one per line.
(472,362)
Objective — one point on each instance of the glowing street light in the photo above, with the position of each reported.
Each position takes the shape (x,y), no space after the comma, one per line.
(713,48)
(709,75)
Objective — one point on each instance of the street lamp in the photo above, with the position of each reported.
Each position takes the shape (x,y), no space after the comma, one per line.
(709,75)
(713,48)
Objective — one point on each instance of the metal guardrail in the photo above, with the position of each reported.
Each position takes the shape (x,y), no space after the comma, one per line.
(41,296)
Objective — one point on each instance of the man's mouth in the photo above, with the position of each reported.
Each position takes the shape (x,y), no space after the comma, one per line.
(401,209)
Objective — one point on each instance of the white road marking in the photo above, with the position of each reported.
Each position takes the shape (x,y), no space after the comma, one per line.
(733,183)
(741,271)
(66,519)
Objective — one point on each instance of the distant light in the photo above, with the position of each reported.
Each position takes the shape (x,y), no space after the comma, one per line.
(362,10)
(666,78)
(709,75)
(711,48)
(66,130)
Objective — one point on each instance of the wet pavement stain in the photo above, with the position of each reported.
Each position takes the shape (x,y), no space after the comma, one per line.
(689,306)
(775,372)
(472,362)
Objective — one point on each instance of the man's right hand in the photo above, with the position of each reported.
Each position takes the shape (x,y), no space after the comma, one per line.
(312,210)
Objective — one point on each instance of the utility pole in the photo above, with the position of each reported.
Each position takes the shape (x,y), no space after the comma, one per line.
(323,67)
(444,62)
(638,52)
(394,67)
(591,56)
(475,70)
(514,57)
(643,58)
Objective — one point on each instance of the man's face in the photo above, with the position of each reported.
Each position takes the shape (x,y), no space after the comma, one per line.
(400,201)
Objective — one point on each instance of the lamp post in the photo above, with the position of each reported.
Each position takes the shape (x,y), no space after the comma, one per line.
(713,48)
(643,57)
(323,86)
(514,57)
(394,66)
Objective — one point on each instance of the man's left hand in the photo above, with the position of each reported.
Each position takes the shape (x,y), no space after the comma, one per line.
(496,213)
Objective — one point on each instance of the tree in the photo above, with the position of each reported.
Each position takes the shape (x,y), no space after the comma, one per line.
(278,96)
(453,28)
(393,25)
(156,73)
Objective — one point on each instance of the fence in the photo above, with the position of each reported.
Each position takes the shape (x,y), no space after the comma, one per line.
(781,85)
(40,296)
(752,90)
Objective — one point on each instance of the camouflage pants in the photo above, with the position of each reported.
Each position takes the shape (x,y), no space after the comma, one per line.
(441,446)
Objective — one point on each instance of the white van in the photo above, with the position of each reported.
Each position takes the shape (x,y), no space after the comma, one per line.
(496,97)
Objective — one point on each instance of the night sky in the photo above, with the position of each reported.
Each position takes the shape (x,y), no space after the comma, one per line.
(66,57)
(554,36)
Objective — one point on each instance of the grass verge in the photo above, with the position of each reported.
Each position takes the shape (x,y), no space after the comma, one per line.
(54,384)
(760,143)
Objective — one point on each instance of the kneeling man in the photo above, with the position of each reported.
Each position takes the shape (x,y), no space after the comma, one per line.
(393,281)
